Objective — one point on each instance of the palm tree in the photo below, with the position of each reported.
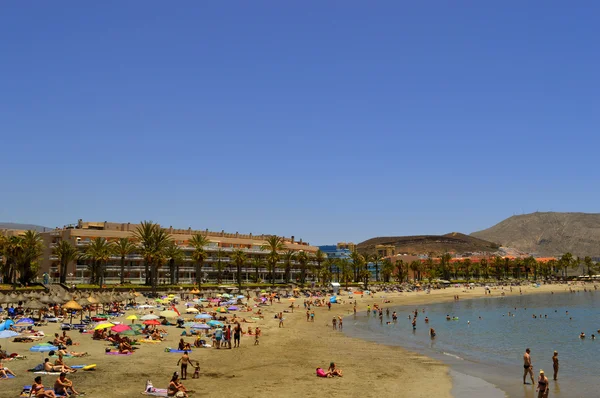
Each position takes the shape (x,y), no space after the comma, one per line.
(98,252)
(358,261)
(377,259)
(66,253)
(566,262)
(258,263)
(219,264)
(274,245)
(530,265)
(123,247)
(445,265)
(302,258)
(401,270)
(589,264)
(153,241)
(387,269)
(498,264)
(485,267)
(198,242)
(33,247)
(415,267)
(467,267)
(239,259)
(12,251)
(365,274)
(319,258)
(174,255)
(288,256)
(476,268)
(346,271)
(144,233)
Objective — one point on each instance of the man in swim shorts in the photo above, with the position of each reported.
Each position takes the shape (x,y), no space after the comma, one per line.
(527,366)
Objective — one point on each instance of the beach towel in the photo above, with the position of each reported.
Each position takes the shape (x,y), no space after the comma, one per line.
(7,377)
(156,392)
(43,372)
(176,351)
(117,353)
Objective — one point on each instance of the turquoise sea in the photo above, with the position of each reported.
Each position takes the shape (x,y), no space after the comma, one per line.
(485,343)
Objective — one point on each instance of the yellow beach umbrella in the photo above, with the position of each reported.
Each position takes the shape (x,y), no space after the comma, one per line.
(132,318)
(104,326)
(168,314)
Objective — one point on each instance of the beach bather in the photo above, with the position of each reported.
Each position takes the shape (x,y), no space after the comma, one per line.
(64,386)
(334,370)
(322,373)
(4,371)
(38,391)
(175,387)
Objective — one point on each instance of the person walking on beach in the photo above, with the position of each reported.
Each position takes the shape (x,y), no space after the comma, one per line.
(527,366)
(542,387)
(340,325)
(334,323)
(555,364)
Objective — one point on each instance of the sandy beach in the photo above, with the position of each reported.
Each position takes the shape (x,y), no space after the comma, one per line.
(282,365)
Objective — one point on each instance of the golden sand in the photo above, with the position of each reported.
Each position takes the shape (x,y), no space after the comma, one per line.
(283,365)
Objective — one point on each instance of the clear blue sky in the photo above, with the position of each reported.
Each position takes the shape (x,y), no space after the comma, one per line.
(327,120)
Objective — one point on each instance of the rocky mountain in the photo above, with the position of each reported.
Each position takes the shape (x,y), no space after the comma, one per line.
(548,234)
(453,242)
(11,225)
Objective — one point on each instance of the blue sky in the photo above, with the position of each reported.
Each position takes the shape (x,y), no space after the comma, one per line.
(330,121)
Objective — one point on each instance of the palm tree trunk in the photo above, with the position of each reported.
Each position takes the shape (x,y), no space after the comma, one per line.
(239,276)
(122,270)
(147,273)
(172,270)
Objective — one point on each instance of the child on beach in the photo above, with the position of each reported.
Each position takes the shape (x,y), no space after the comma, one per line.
(196,374)
(257,334)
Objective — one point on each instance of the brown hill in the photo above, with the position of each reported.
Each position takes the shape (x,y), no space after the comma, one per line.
(453,242)
(548,234)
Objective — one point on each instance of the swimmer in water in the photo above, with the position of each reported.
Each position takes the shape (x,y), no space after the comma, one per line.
(582,335)
(426,320)
(448,317)
(432,332)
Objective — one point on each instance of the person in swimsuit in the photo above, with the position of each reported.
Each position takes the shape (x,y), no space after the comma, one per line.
(175,386)
(237,333)
(184,360)
(37,390)
(334,370)
(64,386)
(555,364)
(542,387)
(4,371)
(527,366)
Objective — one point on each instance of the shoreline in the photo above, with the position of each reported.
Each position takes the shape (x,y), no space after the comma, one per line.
(282,365)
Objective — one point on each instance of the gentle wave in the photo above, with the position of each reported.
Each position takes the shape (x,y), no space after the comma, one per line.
(453,356)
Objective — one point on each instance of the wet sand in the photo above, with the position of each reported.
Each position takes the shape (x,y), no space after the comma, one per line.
(282,365)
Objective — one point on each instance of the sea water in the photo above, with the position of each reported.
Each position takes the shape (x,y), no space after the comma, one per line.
(486,342)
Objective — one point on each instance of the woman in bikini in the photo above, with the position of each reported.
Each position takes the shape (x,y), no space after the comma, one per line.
(37,390)
(542,387)
(175,386)
(334,370)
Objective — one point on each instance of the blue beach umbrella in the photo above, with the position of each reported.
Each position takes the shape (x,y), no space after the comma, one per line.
(200,326)
(233,308)
(215,323)
(26,320)
(203,316)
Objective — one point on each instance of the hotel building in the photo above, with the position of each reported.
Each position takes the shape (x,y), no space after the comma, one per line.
(220,246)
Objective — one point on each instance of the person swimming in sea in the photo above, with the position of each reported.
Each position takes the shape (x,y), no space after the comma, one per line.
(432,332)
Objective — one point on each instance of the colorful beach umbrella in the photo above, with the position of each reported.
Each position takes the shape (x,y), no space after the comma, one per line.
(203,316)
(200,326)
(232,308)
(120,328)
(168,314)
(28,321)
(151,322)
(104,325)
(192,311)
(149,317)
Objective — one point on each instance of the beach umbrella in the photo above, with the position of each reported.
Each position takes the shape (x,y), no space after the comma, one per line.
(188,324)
(73,306)
(149,317)
(192,310)
(7,334)
(120,328)
(200,326)
(292,299)
(214,323)
(144,306)
(34,305)
(241,296)
(43,347)
(132,318)
(232,308)
(168,314)
(203,316)
(130,332)
(151,322)
(221,309)
(26,321)
(104,325)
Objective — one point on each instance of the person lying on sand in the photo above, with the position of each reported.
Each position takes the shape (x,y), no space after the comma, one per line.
(4,371)
(322,373)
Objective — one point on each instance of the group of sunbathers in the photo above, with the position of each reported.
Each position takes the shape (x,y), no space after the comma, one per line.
(62,386)
(331,371)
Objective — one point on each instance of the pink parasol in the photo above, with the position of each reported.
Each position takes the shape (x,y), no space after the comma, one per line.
(120,328)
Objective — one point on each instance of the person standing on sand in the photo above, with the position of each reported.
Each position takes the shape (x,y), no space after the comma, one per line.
(340,325)
(555,364)
(527,366)
(237,333)
(184,360)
